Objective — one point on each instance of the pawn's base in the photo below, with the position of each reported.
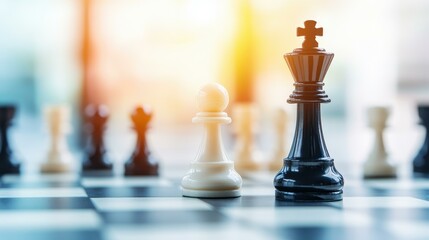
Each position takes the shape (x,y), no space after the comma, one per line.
(90,166)
(211,194)
(309,196)
(96,161)
(379,170)
(58,162)
(134,170)
(55,168)
(212,180)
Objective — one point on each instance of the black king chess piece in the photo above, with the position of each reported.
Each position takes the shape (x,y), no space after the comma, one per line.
(97,116)
(8,164)
(421,161)
(308,173)
(141,163)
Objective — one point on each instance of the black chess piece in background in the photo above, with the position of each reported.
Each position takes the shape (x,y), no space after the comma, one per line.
(141,163)
(308,173)
(8,165)
(421,161)
(97,116)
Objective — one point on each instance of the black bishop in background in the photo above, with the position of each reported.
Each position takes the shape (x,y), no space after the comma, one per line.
(141,163)
(8,164)
(97,116)
(421,161)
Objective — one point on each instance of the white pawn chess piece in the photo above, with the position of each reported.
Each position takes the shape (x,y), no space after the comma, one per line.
(245,155)
(377,165)
(212,174)
(280,124)
(59,158)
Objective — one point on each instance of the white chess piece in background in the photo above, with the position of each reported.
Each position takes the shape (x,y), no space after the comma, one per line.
(59,159)
(245,154)
(212,174)
(279,151)
(377,165)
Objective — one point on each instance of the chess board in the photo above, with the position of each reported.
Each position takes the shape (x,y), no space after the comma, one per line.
(70,207)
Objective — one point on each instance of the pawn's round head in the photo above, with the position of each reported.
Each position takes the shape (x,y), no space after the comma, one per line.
(212,97)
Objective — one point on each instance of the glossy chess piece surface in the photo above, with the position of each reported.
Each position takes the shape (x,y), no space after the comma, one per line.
(212,174)
(308,172)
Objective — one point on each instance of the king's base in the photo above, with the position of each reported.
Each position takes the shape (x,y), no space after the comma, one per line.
(309,196)
(211,193)
(309,180)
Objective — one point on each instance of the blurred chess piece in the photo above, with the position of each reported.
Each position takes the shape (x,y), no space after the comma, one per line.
(59,158)
(245,154)
(421,161)
(377,165)
(280,152)
(8,164)
(141,163)
(97,116)
(212,174)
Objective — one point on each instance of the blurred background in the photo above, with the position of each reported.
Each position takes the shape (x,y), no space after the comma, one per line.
(122,53)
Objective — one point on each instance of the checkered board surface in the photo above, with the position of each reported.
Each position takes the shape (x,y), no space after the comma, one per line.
(68,207)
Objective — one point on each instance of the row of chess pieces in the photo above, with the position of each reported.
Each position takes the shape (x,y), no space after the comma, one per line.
(59,157)
(211,174)
(378,163)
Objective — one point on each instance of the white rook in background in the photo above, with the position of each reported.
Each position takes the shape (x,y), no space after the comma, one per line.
(245,154)
(377,164)
(280,124)
(59,158)
(212,174)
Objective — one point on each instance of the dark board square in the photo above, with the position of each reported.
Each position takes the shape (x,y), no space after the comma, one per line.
(258,201)
(175,217)
(333,233)
(45,203)
(47,184)
(104,192)
(51,234)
